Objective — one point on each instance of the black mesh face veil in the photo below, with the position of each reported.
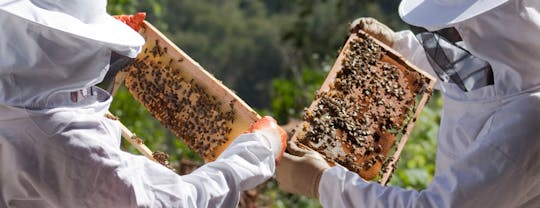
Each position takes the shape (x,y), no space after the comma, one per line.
(117,63)
(454,64)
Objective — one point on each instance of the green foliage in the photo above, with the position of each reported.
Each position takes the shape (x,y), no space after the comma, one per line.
(417,162)
(235,40)
(290,97)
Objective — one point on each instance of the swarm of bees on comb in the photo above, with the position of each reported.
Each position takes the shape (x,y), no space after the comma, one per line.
(369,100)
(179,102)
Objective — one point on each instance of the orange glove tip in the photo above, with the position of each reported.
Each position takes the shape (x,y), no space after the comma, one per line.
(264,122)
(134,21)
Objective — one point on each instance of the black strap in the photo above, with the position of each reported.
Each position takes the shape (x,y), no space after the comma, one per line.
(117,63)
(454,64)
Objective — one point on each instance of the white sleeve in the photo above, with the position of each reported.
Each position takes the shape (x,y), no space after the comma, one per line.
(81,165)
(497,170)
(246,163)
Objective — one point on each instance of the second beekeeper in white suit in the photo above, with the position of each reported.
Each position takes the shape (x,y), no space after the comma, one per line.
(489,137)
(56,147)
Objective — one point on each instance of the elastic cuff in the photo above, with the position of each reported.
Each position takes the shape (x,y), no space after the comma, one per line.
(316,185)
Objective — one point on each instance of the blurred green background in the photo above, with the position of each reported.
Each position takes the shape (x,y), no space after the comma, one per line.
(274,54)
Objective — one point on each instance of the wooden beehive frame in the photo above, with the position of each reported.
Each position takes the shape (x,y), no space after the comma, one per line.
(169,55)
(391,57)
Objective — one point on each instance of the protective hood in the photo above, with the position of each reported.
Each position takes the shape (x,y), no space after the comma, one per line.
(86,19)
(507,38)
(437,14)
(39,62)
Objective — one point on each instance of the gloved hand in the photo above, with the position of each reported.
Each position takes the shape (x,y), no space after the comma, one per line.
(301,171)
(374,28)
(273,134)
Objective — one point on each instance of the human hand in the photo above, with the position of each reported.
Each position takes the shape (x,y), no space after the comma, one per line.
(374,28)
(273,134)
(301,171)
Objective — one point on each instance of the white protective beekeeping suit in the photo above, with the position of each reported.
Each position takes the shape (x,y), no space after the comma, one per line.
(489,138)
(56,147)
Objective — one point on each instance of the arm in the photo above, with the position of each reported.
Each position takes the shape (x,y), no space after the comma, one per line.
(247,162)
(472,181)
(112,178)
(83,166)
(465,184)
(89,172)
(497,170)
(471,174)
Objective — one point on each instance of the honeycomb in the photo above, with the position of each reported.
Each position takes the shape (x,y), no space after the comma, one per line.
(368,102)
(185,98)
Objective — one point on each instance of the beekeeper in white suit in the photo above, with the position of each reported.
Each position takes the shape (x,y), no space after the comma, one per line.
(56,147)
(489,138)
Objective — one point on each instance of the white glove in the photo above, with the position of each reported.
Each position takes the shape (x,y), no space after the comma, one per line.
(374,28)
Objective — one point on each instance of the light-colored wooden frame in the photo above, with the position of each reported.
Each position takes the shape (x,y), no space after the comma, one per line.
(394,58)
(244,114)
